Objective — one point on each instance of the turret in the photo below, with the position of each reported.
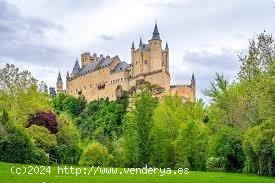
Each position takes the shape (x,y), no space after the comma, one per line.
(166,47)
(133,46)
(156,32)
(59,83)
(157,54)
(85,58)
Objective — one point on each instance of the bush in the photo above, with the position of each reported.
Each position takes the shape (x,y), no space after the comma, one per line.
(42,137)
(63,154)
(46,119)
(214,164)
(16,147)
(95,154)
(66,103)
(228,147)
(67,134)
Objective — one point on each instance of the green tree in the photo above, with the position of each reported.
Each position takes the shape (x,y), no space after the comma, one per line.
(227,145)
(259,148)
(191,145)
(94,154)
(42,137)
(70,104)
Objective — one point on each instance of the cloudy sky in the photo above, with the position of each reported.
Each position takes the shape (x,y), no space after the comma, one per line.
(204,36)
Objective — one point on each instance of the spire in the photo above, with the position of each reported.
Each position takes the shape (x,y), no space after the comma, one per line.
(156,32)
(140,42)
(76,67)
(67,74)
(193,76)
(133,45)
(166,46)
(59,79)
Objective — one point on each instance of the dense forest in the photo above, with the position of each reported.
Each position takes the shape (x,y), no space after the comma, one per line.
(234,132)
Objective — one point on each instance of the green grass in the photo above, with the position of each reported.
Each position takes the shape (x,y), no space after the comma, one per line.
(192,177)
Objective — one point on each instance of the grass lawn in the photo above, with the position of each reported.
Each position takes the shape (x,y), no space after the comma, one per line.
(192,177)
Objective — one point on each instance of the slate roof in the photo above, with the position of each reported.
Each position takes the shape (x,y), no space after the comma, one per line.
(88,68)
(98,64)
(156,33)
(144,47)
(59,79)
(76,68)
(122,66)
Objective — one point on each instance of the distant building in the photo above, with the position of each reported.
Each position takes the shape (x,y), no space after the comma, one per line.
(101,77)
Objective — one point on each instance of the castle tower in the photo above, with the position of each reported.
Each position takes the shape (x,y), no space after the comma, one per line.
(193,86)
(156,56)
(59,83)
(85,58)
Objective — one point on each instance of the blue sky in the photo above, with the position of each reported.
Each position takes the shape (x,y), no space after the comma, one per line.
(204,36)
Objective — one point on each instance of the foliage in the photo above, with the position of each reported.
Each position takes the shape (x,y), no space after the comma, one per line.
(67,132)
(71,105)
(42,138)
(94,154)
(191,145)
(66,154)
(101,120)
(16,147)
(259,148)
(137,130)
(214,164)
(259,57)
(46,119)
(68,138)
(12,80)
(227,145)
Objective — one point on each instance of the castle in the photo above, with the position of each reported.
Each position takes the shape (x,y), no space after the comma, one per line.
(104,77)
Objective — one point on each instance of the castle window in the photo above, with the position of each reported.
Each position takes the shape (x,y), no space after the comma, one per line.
(121,79)
(145,61)
(84,87)
(90,86)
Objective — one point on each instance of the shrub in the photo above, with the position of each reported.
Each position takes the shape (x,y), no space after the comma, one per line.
(42,137)
(228,147)
(94,154)
(46,119)
(214,164)
(16,147)
(63,154)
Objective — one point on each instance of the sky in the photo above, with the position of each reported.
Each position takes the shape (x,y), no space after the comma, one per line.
(204,36)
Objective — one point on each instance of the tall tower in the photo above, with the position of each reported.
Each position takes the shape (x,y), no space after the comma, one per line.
(59,83)
(156,56)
